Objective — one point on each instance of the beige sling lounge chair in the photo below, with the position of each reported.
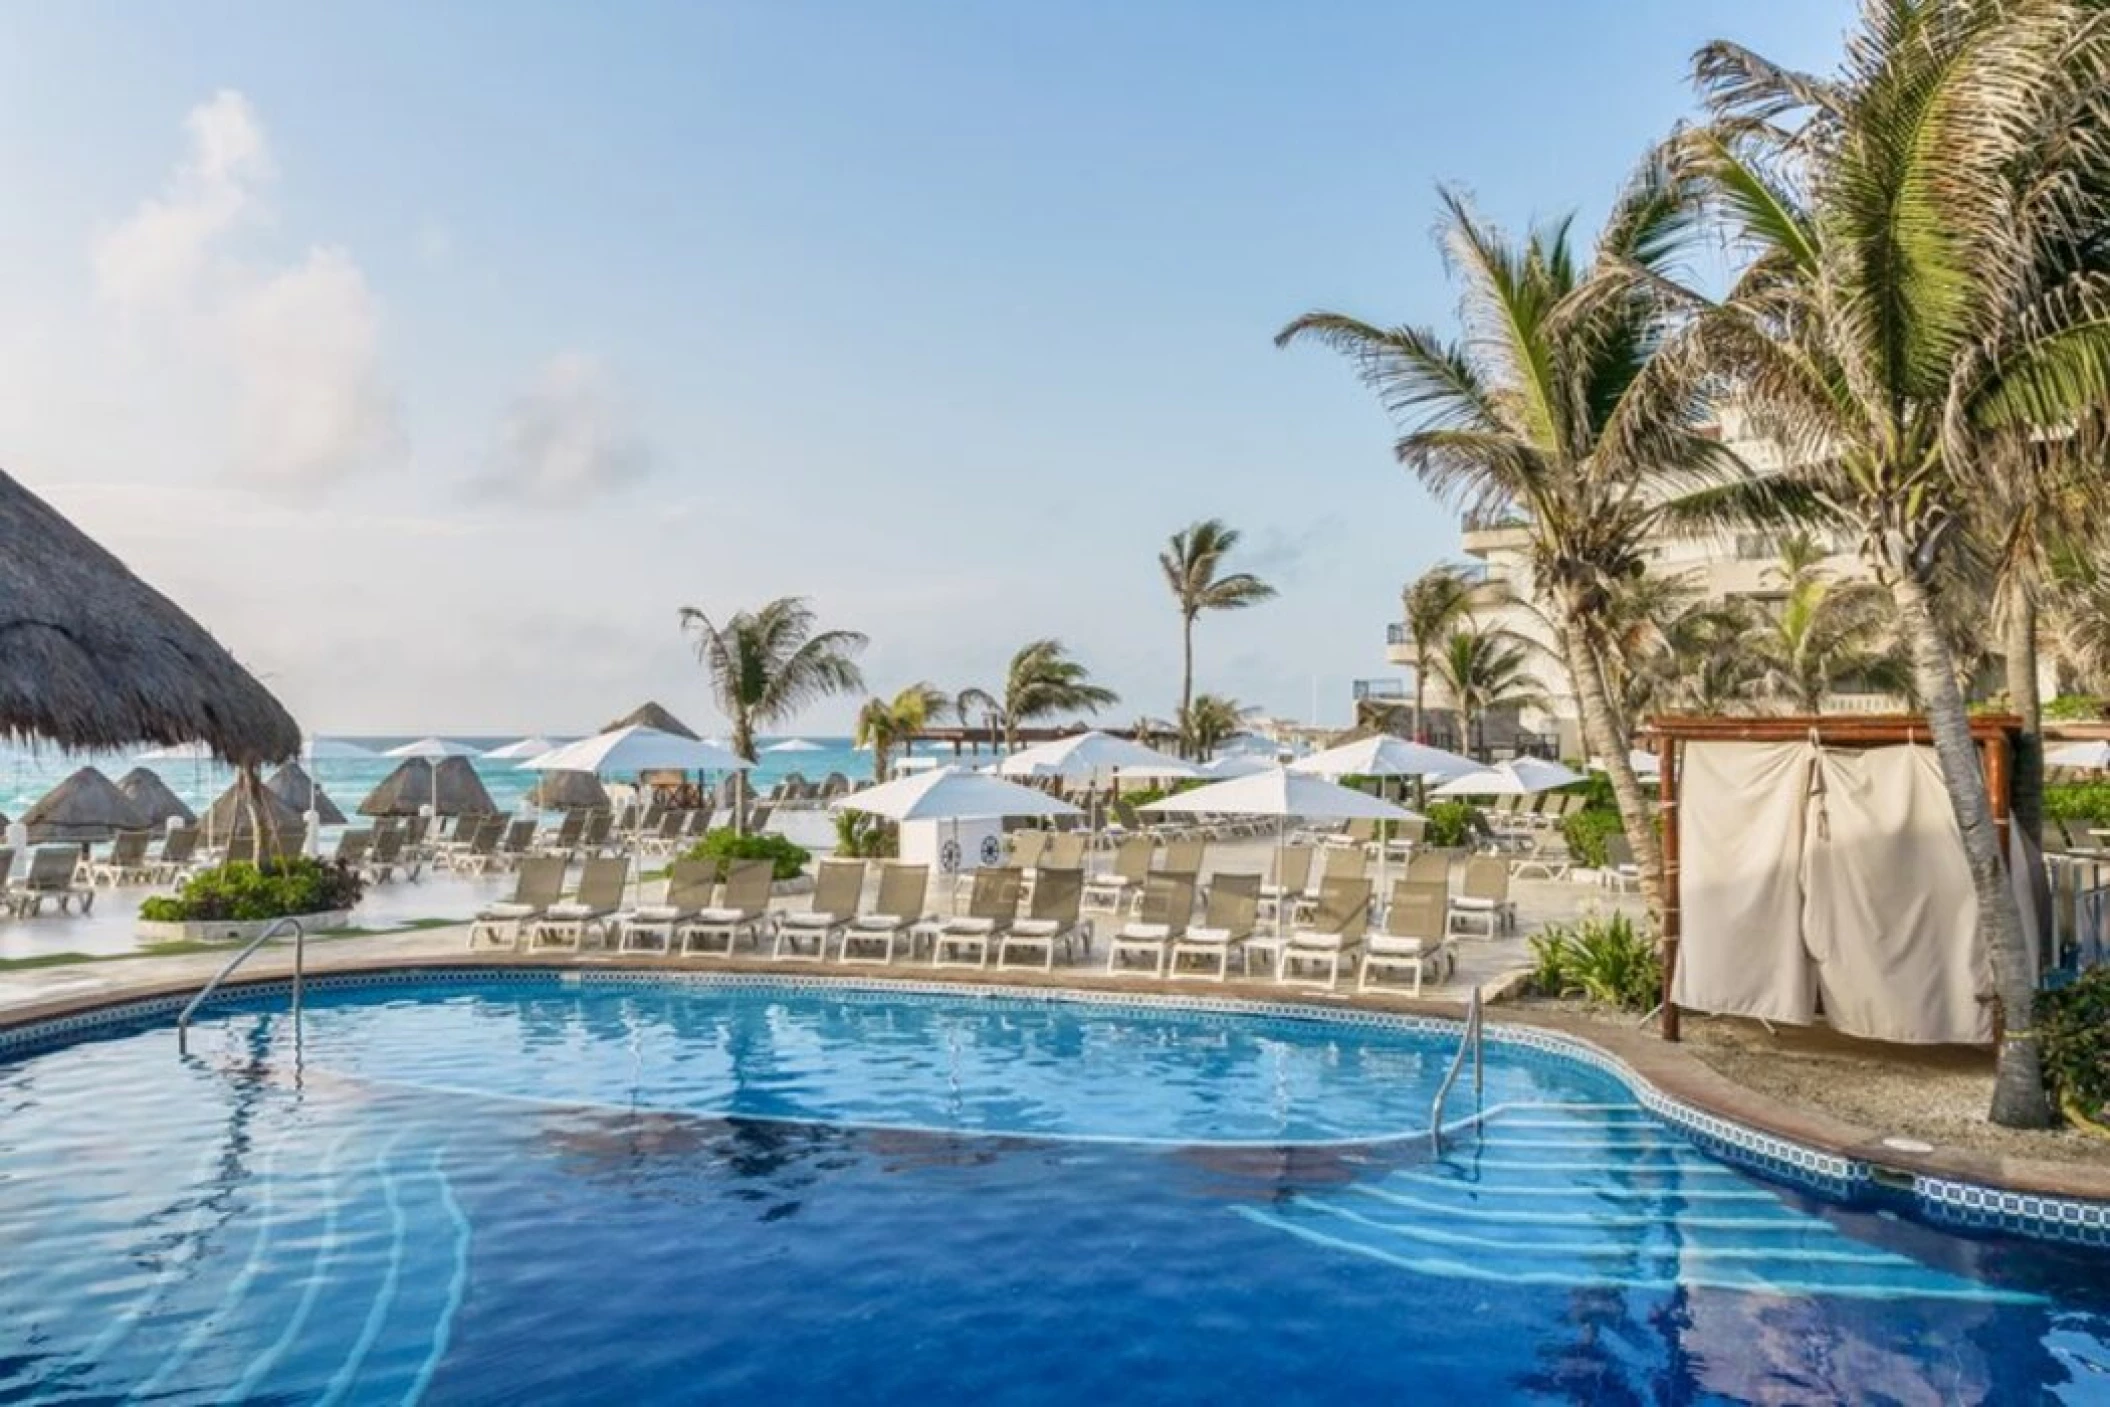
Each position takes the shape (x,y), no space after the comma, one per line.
(691,886)
(1228,920)
(537,885)
(744,909)
(1336,929)
(992,907)
(1054,916)
(1413,938)
(1161,920)
(896,911)
(591,910)
(837,886)
(51,876)
(1482,903)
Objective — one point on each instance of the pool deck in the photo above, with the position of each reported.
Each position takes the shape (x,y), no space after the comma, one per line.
(31,994)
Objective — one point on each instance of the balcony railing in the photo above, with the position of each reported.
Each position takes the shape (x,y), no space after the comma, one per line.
(1396,634)
(1379,689)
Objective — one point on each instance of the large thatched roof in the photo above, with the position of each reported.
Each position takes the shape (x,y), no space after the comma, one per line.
(93,658)
(153,797)
(86,806)
(569,791)
(292,785)
(227,820)
(410,787)
(652,715)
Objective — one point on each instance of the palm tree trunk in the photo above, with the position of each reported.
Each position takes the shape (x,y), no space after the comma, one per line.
(744,744)
(1186,719)
(2018,1085)
(2020,649)
(1421,669)
(1603,735)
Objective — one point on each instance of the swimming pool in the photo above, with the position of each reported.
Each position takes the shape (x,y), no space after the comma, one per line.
(536,1189)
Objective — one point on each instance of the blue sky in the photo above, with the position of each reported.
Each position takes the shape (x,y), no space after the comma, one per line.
(434,354)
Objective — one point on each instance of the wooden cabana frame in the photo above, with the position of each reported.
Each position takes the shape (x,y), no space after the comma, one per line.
(1994,734)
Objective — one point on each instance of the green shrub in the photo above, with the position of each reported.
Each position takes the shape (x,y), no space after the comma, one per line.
(242,892)
(2074,1022)
(2078,801)
(1606,960)
(1454,823)
(1586,832)
(862,837)
(724,844)
(2075,708)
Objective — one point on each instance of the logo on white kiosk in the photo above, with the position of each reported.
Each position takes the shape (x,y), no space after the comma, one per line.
(949,857)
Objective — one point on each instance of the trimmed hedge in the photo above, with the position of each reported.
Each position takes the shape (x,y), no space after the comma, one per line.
(2078,801)
(724,843)
(2075,1022)
(1586,832)
(242,892)
(1453,823)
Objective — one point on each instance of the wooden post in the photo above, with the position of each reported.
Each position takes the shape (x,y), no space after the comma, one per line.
(1667,814)
(1994,752)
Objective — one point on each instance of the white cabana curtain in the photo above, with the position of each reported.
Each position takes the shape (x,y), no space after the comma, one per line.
(1740,844)
(1838,874)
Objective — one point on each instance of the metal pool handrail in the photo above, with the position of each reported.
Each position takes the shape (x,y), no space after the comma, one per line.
(1469,1042)
(300,965)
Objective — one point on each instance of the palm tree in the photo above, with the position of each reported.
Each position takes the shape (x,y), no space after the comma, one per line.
(1211,719)
(1925,292)
(1431,607)
(768,664)
(1043,681)
(1825,633)
(1555,411)
(884,724)
(1671,646)
(1483,670)
(1193,566)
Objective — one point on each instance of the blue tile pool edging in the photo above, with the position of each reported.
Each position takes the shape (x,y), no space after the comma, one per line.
(1945,1201)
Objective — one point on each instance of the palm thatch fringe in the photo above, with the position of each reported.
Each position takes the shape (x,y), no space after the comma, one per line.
(94,659)
(411,788)
(232,820)
(153,797)
(569,791)
(87,806)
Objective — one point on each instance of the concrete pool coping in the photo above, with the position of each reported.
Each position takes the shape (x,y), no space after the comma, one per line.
(1949,1175)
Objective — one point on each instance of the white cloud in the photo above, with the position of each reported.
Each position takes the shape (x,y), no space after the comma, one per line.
(566,438)
(292,350)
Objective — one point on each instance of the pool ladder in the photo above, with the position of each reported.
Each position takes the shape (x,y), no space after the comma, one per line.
(300,970)
(1468,1043)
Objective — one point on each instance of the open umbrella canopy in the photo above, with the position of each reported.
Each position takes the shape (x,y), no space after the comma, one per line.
(521,751)
(336,750)
(654,716)
(794,745)
(1232,765)
(1382,755)
(227,821)
(1647,766)
(951,794)
(1092,754)
(1520,776)
(153,797)
(97,660)
(634,748)
(453,789)
(86,806)
(179,752)
(568,791)
(1282,793)
(432,747)
(2093,753)
(292,785)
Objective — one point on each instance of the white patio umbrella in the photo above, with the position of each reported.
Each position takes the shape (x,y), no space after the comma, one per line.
(181,752)
(952,794)
(522,751)
(1520,776)
(1282,794)
(2093,753)
(1088,755)
(634,749)
(1382,755)
(1647,766)
(795,745)
(1233,765)
(338,750)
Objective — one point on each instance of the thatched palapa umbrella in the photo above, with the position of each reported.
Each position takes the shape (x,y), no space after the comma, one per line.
(232,820)
(569,791)
(97,660)
(455,790)
(153,797)
(292,785)
(652,715)
(87,806)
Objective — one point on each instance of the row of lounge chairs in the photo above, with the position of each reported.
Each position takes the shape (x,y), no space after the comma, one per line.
(53,877)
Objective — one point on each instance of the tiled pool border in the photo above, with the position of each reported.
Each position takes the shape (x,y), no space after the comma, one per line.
(1945,1200)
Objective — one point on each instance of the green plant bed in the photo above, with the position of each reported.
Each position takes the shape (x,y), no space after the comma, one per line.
(788,859)
(862,837)
(1606,960)
(2074,1021)
(2078,801)
(1452,823)
(1588,833)
(241,892)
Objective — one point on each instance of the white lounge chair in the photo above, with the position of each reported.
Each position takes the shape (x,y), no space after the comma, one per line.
(1336,929)
(1054,916)
(691,886)
(1482,904)
(894,915)
(1413,938)
(537,885)
(837,886)
(1228,921)
(743,910)
(1161,920)
(992,907)
(590,910)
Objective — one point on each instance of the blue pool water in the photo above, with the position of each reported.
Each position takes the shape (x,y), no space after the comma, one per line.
(637,1192)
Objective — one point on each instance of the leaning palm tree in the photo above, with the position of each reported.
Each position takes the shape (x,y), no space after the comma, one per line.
(885,724)
(1485,670)
(1193,565)
(768,664)
(1924,294)
(1554,410)
(1211,719)
(1043,681)
(1431,607)
(1824,635)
